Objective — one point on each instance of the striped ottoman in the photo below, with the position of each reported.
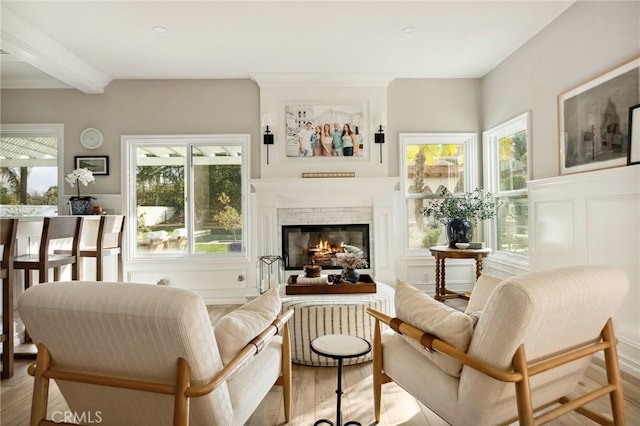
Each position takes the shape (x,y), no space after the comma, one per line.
(321,314)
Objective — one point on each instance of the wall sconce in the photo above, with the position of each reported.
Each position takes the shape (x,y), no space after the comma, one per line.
(268,136)
(379,137)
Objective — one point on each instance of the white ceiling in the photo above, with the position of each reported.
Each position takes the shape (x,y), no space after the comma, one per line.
(85,44)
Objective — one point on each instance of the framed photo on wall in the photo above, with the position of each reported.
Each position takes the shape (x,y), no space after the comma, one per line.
(326,130)
(634,135)
(98,164)
(593,119)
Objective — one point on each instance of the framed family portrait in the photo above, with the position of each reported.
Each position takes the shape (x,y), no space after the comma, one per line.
(634,135)
(326,130)
(594,121)
(98,164)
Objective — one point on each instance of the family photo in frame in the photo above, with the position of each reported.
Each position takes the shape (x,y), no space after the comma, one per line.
(594,120)
(325,130)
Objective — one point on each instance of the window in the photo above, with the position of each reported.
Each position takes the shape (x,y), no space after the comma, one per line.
(429,161)
(30,160)
(187,194)
(506,176)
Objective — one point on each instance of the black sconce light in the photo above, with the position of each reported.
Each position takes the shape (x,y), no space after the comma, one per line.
(268,136)
(379,137)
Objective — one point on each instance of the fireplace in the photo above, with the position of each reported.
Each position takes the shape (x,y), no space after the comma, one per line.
(303,244)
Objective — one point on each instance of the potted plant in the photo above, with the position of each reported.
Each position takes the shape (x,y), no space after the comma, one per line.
(461,212)
(80,205)
(350,262)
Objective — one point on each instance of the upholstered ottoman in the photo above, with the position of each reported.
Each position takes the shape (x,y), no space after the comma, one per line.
(321,314)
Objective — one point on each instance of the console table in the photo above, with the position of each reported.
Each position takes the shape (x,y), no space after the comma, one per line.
(440,253)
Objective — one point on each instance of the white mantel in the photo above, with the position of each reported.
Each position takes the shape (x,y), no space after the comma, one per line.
(379,194)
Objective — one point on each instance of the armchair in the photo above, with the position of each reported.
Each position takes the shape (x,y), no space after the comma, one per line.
(146,354)
(530,347)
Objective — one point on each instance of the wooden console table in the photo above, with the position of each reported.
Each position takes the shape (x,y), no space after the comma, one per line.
(440,253)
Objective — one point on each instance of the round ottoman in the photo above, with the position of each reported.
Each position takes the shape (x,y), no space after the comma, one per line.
(317,315)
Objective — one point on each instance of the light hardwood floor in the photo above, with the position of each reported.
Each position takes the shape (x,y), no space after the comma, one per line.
(313,397)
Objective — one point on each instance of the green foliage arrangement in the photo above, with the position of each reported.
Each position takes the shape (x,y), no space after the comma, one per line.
(229,218)
(473,206)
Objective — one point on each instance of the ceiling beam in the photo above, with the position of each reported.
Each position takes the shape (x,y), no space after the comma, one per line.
(38,50)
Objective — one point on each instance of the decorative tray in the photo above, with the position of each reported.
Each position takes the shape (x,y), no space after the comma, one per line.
(365,284)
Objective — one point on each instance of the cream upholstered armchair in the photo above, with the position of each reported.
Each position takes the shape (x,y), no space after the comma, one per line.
(141,354)
(532,342)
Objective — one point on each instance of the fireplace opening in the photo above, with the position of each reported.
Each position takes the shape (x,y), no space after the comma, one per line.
(320,244)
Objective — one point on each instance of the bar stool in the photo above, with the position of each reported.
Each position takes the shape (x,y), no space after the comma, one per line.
(109,243)
(54,228)
(8,230)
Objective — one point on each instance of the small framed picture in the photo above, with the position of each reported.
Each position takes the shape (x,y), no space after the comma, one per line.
(98,164)
(634,135)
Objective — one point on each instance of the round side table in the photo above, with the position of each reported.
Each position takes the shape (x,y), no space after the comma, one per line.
(339,347)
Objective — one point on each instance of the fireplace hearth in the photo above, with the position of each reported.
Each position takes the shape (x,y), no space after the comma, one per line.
(320,244)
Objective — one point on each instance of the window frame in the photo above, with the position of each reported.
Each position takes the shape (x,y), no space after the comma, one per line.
(491,162)
(469,141)
(129,145)
(43,129)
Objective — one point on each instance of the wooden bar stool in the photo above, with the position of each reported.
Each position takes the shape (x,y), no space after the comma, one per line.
(108,243)
(8,230)
(54,228)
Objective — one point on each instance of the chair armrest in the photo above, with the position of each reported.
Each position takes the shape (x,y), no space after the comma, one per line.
(237,362)
(431,342)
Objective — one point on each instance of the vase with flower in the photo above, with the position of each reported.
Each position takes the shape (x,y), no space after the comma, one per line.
(461,212)
(80,205)
(350,263)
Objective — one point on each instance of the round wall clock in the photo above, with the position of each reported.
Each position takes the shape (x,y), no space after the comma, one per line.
(91,138)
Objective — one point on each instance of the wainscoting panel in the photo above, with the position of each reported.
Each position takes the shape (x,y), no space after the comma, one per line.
(593,218)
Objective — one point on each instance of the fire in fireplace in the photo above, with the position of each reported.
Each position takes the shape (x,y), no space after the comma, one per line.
(319,244)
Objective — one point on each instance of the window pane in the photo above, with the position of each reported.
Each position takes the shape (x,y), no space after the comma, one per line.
(28,176)
(160,198)
(423,232)
(513,230)
(513,161)
(431,166)
(217,198)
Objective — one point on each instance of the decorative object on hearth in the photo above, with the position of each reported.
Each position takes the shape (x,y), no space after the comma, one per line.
(270,272)
(80,205)
(461,212)
(350,262)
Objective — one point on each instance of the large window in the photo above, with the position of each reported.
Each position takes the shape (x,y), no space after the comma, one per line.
(187,194)
(431,161)
(30,157)
(506,175)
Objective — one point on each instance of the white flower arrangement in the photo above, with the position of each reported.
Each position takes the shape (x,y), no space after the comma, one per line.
(351,260)
(80,176)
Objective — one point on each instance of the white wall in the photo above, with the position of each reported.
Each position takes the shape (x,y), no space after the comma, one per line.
(586,40)
(593,218)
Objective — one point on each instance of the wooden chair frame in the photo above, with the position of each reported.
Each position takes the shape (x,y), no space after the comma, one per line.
(182,390)
(108,243)
(53,228)
(8,232)
(522,371)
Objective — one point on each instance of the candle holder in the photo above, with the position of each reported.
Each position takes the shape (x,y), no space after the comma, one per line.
(270,272)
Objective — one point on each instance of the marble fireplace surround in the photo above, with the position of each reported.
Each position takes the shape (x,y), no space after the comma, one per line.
(373,201)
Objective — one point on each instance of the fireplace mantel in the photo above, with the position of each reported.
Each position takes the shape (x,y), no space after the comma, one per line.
(381,195)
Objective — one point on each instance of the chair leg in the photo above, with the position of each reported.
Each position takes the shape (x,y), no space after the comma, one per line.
(27,284)
(99,268)
(7,328)
(76,269)
(523,389)
(40,386)
(181,403)
(613,374)
(377,370)
(286,372)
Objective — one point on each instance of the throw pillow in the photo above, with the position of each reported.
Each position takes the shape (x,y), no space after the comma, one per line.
(448,324)
(234,330)
(481,292)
